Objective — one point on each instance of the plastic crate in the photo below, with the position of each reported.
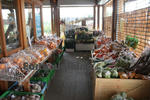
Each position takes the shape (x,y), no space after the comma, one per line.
(43,79)
(6,94)
(40,93)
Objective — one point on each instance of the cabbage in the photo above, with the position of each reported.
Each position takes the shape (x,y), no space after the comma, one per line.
(99,66)
(130,98)
(106,74)
(99,74)
(114,74)
(117,97)
(121,96)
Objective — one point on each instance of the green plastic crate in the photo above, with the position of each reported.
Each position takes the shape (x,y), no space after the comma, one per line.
(4,94)
(7,93)
(43,79)
(52,74)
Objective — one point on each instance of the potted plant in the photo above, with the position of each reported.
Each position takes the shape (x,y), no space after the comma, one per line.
(132,41)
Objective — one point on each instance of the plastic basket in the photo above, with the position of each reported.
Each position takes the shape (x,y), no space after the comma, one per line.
(43,79)
(40,93)
(6,94)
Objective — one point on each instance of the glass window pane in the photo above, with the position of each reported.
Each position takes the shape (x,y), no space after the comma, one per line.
(38,22)
(10,24)
(72,17)
(47,20)
(29,20)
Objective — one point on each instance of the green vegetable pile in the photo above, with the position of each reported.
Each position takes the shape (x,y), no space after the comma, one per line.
(126,59)
(105,72)
(121,96)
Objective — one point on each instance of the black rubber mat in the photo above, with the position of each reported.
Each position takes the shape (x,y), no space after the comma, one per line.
(72,78)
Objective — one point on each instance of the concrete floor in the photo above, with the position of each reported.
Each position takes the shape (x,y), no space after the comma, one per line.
(72,78)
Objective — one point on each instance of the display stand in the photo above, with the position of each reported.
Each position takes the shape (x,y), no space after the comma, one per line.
(25,81)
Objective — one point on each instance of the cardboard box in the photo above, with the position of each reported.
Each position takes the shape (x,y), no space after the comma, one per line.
(106,88)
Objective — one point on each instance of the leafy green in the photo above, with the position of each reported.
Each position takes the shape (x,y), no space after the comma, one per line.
(131,41)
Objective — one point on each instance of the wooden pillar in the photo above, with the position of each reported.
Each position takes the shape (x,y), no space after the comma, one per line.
(34,20)
(55,19)
(24,35)
(52,19)
(41,14)
(3,41)
(114,19)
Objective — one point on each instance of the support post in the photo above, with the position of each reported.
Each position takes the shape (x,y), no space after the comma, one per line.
(114,19)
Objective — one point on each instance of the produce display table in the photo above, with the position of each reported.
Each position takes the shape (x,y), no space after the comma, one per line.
(105,88)
(117,73)
(21,66)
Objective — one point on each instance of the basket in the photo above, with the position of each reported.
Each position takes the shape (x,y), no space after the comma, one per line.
(40,93)
(7,93)
(43,79)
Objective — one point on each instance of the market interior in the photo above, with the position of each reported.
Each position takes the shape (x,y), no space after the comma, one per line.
(74,49)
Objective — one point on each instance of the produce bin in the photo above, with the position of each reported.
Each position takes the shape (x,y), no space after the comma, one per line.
(40,93)
(43,79)
(59,57)
(6,94)
(106,88)
(70,43)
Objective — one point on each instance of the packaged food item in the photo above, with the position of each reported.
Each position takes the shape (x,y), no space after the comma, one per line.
(131,75)
(52,45)
(2,66)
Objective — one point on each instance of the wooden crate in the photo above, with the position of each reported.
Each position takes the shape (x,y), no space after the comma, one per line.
(105,88)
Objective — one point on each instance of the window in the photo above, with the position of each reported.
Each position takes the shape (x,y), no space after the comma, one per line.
(9,16)
(38,22)
(136,4)
(47,20)
(73,16)
(29,19)
(109,11)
